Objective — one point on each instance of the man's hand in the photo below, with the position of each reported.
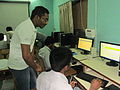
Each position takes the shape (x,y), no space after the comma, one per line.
(73,83)
(95,84)
(38,68)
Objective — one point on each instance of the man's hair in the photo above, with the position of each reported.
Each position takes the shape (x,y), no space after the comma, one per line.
(59,58)
(9,28)
(39,10)
(49,40)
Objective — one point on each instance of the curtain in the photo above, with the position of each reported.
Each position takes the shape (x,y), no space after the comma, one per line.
(66,19)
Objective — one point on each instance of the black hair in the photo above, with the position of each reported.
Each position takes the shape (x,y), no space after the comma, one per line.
(49,40)
(9,28)
(39,10)
(59,58)
(1,36)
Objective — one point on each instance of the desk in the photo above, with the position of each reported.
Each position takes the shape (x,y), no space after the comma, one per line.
(98,66)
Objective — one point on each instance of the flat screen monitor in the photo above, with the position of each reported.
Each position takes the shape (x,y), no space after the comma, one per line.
(56,36)
(5,38)
(79,33)
(66,39)
(110,51)
(85,44)
(3,41)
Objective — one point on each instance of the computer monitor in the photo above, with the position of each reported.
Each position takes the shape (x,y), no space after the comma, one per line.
(56,36)
(3,37)
(110,51)
(3,41)
(79,33)
(85,44)
(66,39)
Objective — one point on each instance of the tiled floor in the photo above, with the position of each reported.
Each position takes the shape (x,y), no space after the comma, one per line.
(8,85)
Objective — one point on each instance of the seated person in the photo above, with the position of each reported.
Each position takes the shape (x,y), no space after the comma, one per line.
(40,38)
(45,51)
(55,79)
(9,34)
(9,31)
(3,41)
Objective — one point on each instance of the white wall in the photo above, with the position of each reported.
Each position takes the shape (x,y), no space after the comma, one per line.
(11,14)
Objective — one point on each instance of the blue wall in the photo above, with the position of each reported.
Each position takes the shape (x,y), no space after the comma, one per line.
(56,4)
(91,14)
(107,20)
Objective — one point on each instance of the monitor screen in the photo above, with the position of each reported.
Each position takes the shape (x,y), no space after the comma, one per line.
(85,44)
(56,36)
(5,37)
(79,33)
(3,41)
(110,51)
(66,39)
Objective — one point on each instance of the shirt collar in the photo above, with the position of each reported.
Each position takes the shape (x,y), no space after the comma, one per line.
(35,30)
(60,75)
(47,48)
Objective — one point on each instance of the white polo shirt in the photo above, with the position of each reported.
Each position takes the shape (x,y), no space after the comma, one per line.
(25,33)
(45,53)
(52,81)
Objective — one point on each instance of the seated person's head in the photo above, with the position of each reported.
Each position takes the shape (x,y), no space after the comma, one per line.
(60,58)
(49,41)
(9,29)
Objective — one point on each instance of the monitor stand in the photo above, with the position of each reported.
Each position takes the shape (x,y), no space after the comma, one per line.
(85,52)
(112,63)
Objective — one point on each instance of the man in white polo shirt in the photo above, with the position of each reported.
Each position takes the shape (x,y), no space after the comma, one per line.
(21,57)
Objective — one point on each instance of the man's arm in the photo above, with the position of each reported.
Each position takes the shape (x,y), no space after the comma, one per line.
(28,57)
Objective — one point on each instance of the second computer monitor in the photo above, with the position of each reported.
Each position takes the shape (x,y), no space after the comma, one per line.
(110,51)
(85,44)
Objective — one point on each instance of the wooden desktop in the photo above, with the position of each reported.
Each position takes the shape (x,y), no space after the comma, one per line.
(96,66)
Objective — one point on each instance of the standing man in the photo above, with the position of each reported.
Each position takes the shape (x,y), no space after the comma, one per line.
(21,57)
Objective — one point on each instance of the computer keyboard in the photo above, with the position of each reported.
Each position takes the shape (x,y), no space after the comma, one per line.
(112,87)
(89,78)
(83,57)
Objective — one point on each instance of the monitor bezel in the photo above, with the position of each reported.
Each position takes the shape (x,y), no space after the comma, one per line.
(68,44)
(89,39)
(100,50)
(53,35)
